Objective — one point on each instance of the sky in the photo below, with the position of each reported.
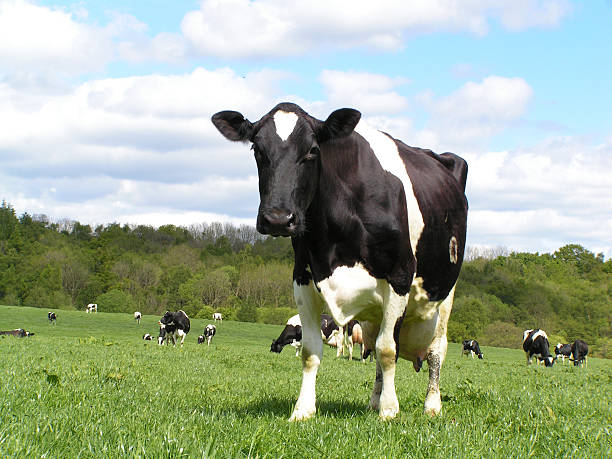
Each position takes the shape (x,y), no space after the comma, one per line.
(105,106)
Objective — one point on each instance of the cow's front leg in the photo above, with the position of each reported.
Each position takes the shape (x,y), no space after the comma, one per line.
(309,307)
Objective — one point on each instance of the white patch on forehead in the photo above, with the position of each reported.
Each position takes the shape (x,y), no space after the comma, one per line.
(387,154)
(285,123)
(295,321)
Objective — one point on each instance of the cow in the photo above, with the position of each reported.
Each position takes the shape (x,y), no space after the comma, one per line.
(354,335)
(580,349)
(291,334)
(332,334)
(378,232)
(147,337)
(563,351)
(52,317)
(18,332)
(174,325)
(217,317)
(91,307)
(137,316)
(535,342)
(209,332)
(470,346)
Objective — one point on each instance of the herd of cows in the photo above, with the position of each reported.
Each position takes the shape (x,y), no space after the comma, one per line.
(174,327)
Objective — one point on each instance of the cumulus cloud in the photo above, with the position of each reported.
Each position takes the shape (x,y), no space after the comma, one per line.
(244,28)
(542,197)
(476,111)
(41,42)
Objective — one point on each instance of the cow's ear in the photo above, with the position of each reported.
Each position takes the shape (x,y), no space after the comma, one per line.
(339,124)
(233,125)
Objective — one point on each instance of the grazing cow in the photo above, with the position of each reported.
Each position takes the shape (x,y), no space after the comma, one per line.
(147,337)
(378,231)
(18,332)
(173,325)
(291,334)
(580,349)
(563,351)
(470,346)
(535,342)
(209,332)
(332,334)
(354,335)
(91,307)
(137,316)
(52,317)
(217,317)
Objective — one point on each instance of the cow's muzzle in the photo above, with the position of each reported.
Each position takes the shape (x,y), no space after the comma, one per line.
(277,222)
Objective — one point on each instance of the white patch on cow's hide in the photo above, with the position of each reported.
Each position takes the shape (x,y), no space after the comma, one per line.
(387,154)
(295,321)
(350,290)
(539,333)
(452,249)
(285,123)
(526,334)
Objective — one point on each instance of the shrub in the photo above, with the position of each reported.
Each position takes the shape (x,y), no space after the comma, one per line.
(115,300)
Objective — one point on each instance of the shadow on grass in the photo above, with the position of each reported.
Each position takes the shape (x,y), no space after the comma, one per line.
(282,407)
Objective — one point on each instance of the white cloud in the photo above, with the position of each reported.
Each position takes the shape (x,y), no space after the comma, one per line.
(32,36)
(476,111)
(372,93)
(243,28)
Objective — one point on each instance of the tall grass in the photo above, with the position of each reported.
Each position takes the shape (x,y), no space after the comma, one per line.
(91,387)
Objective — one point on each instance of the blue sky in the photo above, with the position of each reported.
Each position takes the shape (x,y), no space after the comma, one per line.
(106,104)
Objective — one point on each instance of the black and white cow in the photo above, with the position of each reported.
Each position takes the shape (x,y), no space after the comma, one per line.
(563,351)
(354,335)
(378,231)
(217,317)
(173,325)
(52,317)
(470,346)
(332,334)
(147,337)
(535,342)
(137,316)
(209,332)
(291,334)
(91,307)
(580,349)
(18,332)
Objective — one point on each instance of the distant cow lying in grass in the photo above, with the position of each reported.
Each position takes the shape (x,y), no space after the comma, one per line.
(18,332)
(173,325)
(147,337)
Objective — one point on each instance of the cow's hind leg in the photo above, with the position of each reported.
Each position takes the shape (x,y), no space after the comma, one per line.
(309,307)
(386,348)
(435,357)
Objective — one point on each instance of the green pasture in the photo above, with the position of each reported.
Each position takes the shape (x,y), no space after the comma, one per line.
(91,387)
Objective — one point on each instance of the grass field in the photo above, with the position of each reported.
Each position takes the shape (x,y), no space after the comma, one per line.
(91,387)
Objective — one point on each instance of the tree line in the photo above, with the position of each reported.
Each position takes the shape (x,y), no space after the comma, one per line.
(247,277)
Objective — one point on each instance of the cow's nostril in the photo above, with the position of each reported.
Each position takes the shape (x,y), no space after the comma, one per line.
(291,220)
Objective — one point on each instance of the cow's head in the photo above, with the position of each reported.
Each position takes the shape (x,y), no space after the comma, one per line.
(167,318)
(286,143)
(549,361)
(276,346)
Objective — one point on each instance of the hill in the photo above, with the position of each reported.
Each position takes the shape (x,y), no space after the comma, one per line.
(246,276)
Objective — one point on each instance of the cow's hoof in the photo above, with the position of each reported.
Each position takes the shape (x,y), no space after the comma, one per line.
(433,405)
(301,415)
(388,414)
